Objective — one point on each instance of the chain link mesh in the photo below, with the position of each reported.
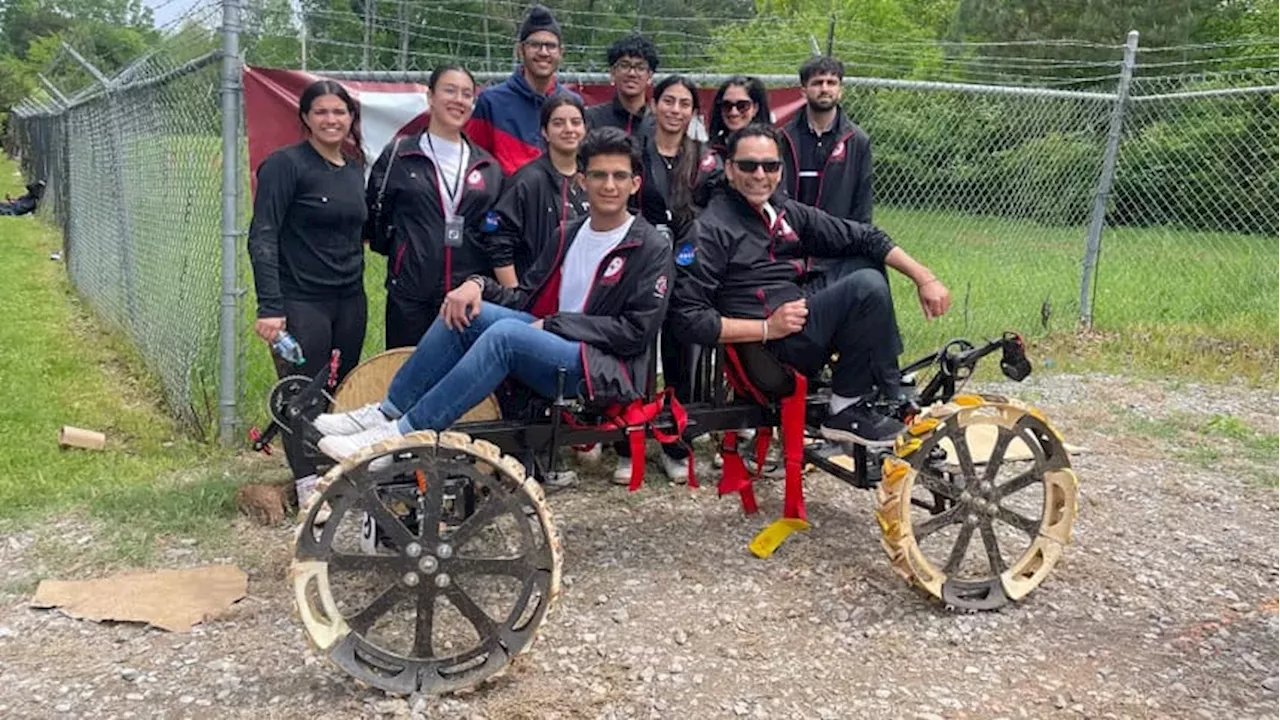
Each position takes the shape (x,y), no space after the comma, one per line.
(993,185)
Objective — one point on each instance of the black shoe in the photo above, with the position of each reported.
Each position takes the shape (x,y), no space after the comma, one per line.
(860,423)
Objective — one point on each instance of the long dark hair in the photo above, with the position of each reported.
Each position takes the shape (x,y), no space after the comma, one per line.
(685,172)
(716,131)
(321,88)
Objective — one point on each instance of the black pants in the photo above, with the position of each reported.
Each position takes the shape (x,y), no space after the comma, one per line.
(850,312)
(677,372)
(321,326)
(407,319)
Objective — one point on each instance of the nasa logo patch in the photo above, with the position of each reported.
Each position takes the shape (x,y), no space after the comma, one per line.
(685,254)
(490,222)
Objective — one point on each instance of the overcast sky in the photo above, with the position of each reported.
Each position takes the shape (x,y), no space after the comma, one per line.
(166,11)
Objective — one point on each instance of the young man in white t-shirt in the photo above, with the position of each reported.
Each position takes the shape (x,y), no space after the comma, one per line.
(591,305)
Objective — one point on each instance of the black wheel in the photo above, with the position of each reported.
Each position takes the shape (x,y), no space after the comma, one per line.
(434,568)
(986,524)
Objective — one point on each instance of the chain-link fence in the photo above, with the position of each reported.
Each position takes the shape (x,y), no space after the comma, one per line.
(1008,185)
(134,184)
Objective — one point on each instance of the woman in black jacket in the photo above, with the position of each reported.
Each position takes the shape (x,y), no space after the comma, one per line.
(541,197)
(305,244)
(428,196)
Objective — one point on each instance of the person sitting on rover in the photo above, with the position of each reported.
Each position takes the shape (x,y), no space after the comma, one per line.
(591,305)
(743,277)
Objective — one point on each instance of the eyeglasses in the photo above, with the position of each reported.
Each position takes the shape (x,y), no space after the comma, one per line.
(635,68)
(742,106)
(544,45)
(619,176)
(750,166)
(453,91)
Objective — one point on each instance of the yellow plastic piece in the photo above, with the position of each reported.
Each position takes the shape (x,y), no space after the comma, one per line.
(967,400)
(768,539)
(903,448)
(922,426)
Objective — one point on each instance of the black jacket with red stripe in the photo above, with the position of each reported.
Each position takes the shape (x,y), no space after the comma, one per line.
(534,203)
(845,180)
(419,265)
(739,265)
(623,312)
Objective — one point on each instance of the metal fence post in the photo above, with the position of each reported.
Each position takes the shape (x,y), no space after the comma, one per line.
(1098,218)
(230,219)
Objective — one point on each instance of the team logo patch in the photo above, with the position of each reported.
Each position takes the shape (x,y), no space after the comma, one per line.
(490,222)
(613,273)
(784,230)
(660,287)
(685,254)
(475,180)
(837,152)
(708,163)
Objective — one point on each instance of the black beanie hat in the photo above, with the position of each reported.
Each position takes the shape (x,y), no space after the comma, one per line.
(538,19)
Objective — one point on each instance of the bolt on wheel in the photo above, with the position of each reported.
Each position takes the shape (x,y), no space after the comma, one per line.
(435,568)
(977,502)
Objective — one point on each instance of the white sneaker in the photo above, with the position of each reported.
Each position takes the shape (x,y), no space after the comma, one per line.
(369,543)
(306,488)
(676,470)
(622,473)
(341,447)
(560,479)
(590,455)
(350,423)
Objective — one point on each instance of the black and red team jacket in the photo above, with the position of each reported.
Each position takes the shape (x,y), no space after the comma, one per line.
(737,264)
(419,265)
(624,309)
(845,180)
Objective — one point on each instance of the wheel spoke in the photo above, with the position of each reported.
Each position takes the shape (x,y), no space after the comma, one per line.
(937,485)
(997,453)
(958,550)
(474,614)
(519,567)
(937,522)
(490,510)
(386,520)
(1025,524)
(357,562)
(424,624)
(431,508)
(994,558)
(961,444)
(1020,482)
(363,620)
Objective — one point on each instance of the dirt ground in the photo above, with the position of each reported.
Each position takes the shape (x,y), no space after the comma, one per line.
(1164,605)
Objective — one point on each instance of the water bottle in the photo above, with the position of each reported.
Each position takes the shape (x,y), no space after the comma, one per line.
(288,348)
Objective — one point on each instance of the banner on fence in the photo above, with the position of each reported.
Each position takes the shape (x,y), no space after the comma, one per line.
(388,109)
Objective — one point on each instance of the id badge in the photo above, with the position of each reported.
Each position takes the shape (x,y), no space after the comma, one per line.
(453,231)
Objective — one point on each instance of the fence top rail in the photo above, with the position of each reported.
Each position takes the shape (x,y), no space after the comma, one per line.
(420,76)
(1218,92)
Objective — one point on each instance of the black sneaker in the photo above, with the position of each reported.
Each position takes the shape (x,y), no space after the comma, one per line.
(860,423)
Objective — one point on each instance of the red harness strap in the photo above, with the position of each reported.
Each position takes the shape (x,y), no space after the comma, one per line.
(637,420)
(735,477)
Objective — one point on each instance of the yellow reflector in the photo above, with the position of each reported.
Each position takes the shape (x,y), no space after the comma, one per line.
(768,539)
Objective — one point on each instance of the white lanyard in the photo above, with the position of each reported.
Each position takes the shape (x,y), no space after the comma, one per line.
(450,198)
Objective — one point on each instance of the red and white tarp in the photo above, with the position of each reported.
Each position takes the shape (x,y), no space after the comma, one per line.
(389,109)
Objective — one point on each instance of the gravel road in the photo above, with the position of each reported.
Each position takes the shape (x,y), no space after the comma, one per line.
(1164,606)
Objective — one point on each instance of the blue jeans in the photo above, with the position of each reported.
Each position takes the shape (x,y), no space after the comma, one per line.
(451,371)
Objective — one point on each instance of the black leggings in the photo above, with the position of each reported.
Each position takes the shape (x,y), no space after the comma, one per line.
(407,319)
(321,326)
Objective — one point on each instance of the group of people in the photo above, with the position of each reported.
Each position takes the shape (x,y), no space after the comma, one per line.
(528,235)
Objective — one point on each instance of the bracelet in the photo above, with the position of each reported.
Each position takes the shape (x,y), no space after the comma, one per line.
(764,327)
(477,279)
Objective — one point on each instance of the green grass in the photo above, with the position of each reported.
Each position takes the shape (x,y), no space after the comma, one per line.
(60,366)
(1221,443)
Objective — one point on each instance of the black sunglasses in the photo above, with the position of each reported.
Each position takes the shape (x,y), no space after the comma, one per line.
(750,166)
(742,106)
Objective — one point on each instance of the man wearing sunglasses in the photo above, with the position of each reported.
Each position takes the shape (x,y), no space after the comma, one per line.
(591,305)
(746,278)
(506,118)
(632,63)
(827,158)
